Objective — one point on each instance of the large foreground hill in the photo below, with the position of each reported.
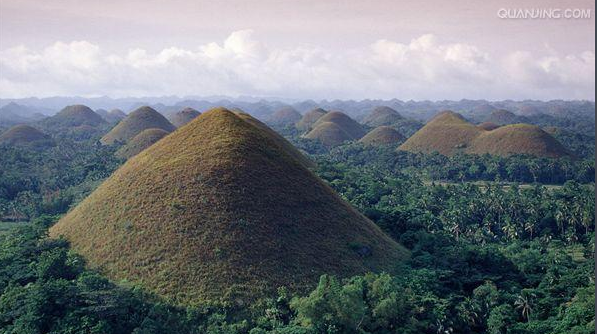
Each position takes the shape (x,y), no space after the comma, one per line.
(220,210)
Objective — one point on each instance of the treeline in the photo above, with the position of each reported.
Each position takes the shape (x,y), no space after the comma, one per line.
(459,168)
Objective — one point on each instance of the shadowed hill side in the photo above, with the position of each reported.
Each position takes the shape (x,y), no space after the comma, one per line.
(25,135)
(309,118)
(183,117)
(382,135)
(488,126)
(141,119)
(518,139)
(140,142)
(218,211)
(446,133)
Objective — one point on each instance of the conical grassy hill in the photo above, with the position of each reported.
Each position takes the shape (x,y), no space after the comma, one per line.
(446,133)
(449,133)
(218,212)
(382,135)
(140,142)
(114,116)
(381,116)
(352,127)
(285,116)
(329,134)
(309,118)
(73,116)
(183,117)
(141,119)
(25,135)
(518,139)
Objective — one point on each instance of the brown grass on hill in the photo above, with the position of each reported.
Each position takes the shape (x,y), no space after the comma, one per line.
(217,212)
(309,118)
(278,139)
(285,116)
(183,117)
(518,139)
(140,142)
(352,127)
(25,135)
(329,134)
(446,133)
(381,136)
(449,133)
(382,116)
(141,119)
(488,126)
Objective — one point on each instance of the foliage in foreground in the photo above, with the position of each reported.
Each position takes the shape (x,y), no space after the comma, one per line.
(449,286)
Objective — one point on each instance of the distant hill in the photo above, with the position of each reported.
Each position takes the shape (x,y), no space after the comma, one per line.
(382,135)
(504,117)
(25,135)
(352,127)
(309,118)
(449,133)
(141,119)
(446,133)
(518,139)
(382,116)
(76,122)
(140,142)
(211,216)
(73,116)
(183,116)
(113,116)
(528,110)
(285,116)
(102,112)
(483,109)
(16,113)
(329,134)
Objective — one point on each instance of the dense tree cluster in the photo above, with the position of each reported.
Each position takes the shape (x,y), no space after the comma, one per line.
(34,182)
(462,167)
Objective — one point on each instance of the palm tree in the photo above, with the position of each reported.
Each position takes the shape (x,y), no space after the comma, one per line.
(523,303)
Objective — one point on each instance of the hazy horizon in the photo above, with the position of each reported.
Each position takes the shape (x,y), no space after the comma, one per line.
(294,49)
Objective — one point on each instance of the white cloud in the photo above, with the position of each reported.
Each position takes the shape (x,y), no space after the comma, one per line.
(424,68)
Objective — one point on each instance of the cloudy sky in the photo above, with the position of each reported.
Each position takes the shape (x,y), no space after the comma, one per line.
(350,49)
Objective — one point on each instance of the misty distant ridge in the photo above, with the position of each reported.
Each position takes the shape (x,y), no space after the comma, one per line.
(263,107)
